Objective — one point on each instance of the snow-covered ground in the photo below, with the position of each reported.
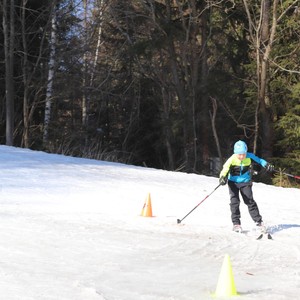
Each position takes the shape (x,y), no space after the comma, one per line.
(71,229)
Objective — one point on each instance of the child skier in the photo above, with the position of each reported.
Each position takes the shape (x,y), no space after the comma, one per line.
(237,172)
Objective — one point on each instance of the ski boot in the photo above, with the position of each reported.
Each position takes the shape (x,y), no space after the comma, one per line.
(261,227)
(237,228)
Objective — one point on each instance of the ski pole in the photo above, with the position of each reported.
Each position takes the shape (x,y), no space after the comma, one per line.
(180,220)
(290,175)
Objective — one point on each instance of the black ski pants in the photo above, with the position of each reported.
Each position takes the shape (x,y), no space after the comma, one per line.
(246,191)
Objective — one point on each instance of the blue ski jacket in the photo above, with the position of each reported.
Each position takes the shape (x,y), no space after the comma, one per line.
(240,171)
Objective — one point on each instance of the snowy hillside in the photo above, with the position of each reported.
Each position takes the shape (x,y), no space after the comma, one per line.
(71,229)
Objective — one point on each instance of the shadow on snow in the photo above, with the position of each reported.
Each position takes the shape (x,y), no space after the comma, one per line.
(276,228)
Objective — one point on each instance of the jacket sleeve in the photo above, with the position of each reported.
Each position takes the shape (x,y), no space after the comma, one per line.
(225,170)
(257,159)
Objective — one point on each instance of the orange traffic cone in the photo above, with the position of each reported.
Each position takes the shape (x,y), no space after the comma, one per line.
(147,208)
(226,285)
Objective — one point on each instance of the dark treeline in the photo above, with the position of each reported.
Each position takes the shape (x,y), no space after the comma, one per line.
(167,84)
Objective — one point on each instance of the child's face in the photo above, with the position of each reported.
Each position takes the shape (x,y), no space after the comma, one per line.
(241,156)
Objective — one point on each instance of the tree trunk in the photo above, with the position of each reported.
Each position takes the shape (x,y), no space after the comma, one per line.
(168,134)
(214,129)
(186,106)
(262,36)
(9,36)
(85,71)
(99,36)
(51,69)
(25,138)
(205,124)
(266,128)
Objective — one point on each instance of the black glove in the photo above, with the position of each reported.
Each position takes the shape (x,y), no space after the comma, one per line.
(223,180)
(269,168)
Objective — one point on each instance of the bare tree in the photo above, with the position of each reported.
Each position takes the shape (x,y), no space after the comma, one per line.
(51,64)
(214,129)
(25,76)
(184,58)
(101,7)
(31,57)
(262,31)
(9,37)
(90,60)
(85,66)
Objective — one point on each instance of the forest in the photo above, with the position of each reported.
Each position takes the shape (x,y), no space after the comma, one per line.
(168,84)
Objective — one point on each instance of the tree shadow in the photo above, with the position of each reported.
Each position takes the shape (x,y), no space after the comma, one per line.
(280,227)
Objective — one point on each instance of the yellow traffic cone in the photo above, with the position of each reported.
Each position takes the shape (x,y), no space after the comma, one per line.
(147,208)
(226,286)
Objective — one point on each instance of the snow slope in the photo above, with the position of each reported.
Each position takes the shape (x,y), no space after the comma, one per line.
(71,229)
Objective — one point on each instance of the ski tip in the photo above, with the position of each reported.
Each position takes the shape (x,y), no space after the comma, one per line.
(260,237)
(268,235)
